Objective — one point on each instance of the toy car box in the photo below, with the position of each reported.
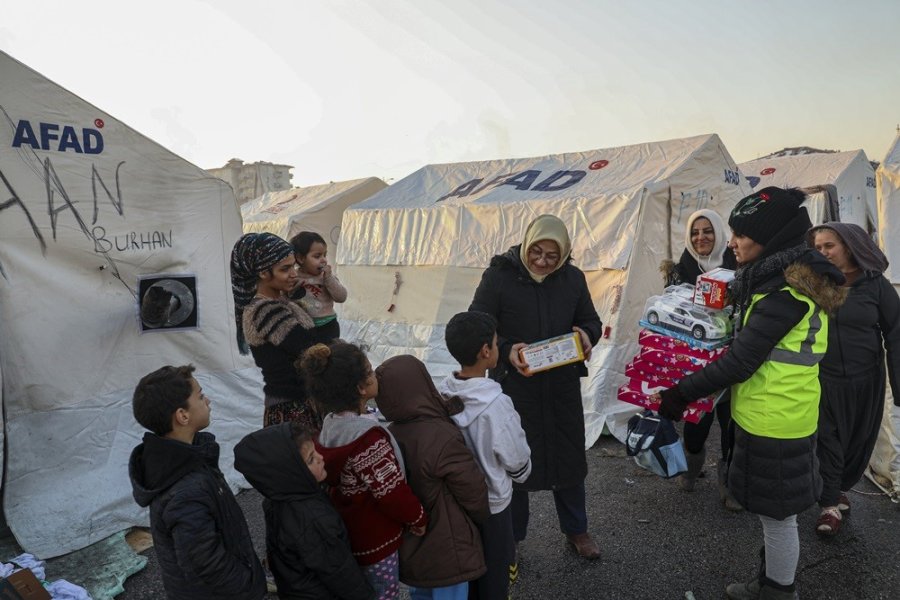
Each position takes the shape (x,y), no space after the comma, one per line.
(554,352)
(712,288)
(674,315)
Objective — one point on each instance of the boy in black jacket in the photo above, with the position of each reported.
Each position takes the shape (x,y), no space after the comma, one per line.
(199,532)
(306,541)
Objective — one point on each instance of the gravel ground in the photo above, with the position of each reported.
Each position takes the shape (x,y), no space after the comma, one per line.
(659,542)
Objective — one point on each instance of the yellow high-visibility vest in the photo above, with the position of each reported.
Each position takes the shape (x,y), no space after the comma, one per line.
(781,399)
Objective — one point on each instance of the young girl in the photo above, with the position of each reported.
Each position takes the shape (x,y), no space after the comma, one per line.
(321,287)
(363,462)
(277,331)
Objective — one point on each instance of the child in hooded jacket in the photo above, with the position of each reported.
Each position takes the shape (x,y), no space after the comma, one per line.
(444,475)
(364,463)
(493,431)
(307,544)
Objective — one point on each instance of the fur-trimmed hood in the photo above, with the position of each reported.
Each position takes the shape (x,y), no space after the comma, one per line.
(820,288)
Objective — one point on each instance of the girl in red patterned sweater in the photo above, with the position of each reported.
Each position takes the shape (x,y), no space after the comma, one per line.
(364,464)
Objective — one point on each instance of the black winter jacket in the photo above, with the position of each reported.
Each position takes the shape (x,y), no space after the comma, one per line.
(199,532)
(548,402)
(768,476)
(867,324)
(686,270)
(306,541)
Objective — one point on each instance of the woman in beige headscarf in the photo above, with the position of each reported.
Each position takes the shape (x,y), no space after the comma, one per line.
(535,293)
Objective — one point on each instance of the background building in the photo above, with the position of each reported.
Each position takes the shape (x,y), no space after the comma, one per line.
(252,180)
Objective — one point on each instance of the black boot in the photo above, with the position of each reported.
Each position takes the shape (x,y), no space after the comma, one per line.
(695,466)
(769,590)
(724,493)
(752,589)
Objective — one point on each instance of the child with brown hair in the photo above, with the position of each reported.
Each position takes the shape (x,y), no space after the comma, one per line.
(320,286)
(364,463)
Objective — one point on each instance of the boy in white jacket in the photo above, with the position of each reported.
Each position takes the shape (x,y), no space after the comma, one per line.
(493,431)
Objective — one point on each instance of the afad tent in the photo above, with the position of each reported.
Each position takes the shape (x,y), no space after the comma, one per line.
(95,219)
(316,208)
(850,173)
(884,467)
(413,254)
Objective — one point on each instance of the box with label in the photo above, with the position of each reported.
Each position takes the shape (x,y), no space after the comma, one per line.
(554,352)
(712,288)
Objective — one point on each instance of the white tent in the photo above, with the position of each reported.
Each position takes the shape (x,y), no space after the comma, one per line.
(850,173)
(316,208)
(885,464)
(418,248)
(87,207)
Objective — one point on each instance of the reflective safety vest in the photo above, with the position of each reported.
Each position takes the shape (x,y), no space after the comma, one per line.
(781,399)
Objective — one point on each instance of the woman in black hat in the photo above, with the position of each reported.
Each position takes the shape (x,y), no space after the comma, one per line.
(853,370)
(783,292)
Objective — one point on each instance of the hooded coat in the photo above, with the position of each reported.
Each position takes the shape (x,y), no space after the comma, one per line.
(549,402)
(199,533)
(306,541)
(767,475)
(443,474)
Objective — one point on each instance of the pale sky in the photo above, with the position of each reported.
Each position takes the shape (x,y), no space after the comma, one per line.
(346,89)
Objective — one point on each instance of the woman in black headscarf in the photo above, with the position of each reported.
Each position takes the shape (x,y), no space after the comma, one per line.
(853,370)
(276,330)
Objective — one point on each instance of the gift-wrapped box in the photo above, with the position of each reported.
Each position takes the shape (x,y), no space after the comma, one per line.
(692,414)
(658,341)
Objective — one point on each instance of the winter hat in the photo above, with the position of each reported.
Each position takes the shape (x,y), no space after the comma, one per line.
(252,254)
(763,214)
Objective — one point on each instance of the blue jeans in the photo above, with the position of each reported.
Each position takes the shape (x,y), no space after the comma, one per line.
(570,511)
(460,591)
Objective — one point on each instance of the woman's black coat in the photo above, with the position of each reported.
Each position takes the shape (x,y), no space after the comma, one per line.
(548,402)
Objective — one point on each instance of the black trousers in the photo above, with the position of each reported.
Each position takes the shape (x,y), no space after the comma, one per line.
(499,553)
(850,413)
(695,434)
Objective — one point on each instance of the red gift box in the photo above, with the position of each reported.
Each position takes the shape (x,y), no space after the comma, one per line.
(626,394)
(639,367)
(648,388)
(672,359)
(658,341)
(712,287)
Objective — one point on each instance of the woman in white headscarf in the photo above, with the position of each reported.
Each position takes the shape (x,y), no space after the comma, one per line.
(535,293)
(705,248)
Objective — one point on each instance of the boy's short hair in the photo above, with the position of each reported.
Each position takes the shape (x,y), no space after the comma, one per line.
(159,394)
(467,333)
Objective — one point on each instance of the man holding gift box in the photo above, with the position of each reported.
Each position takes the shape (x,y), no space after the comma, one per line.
(783,291)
